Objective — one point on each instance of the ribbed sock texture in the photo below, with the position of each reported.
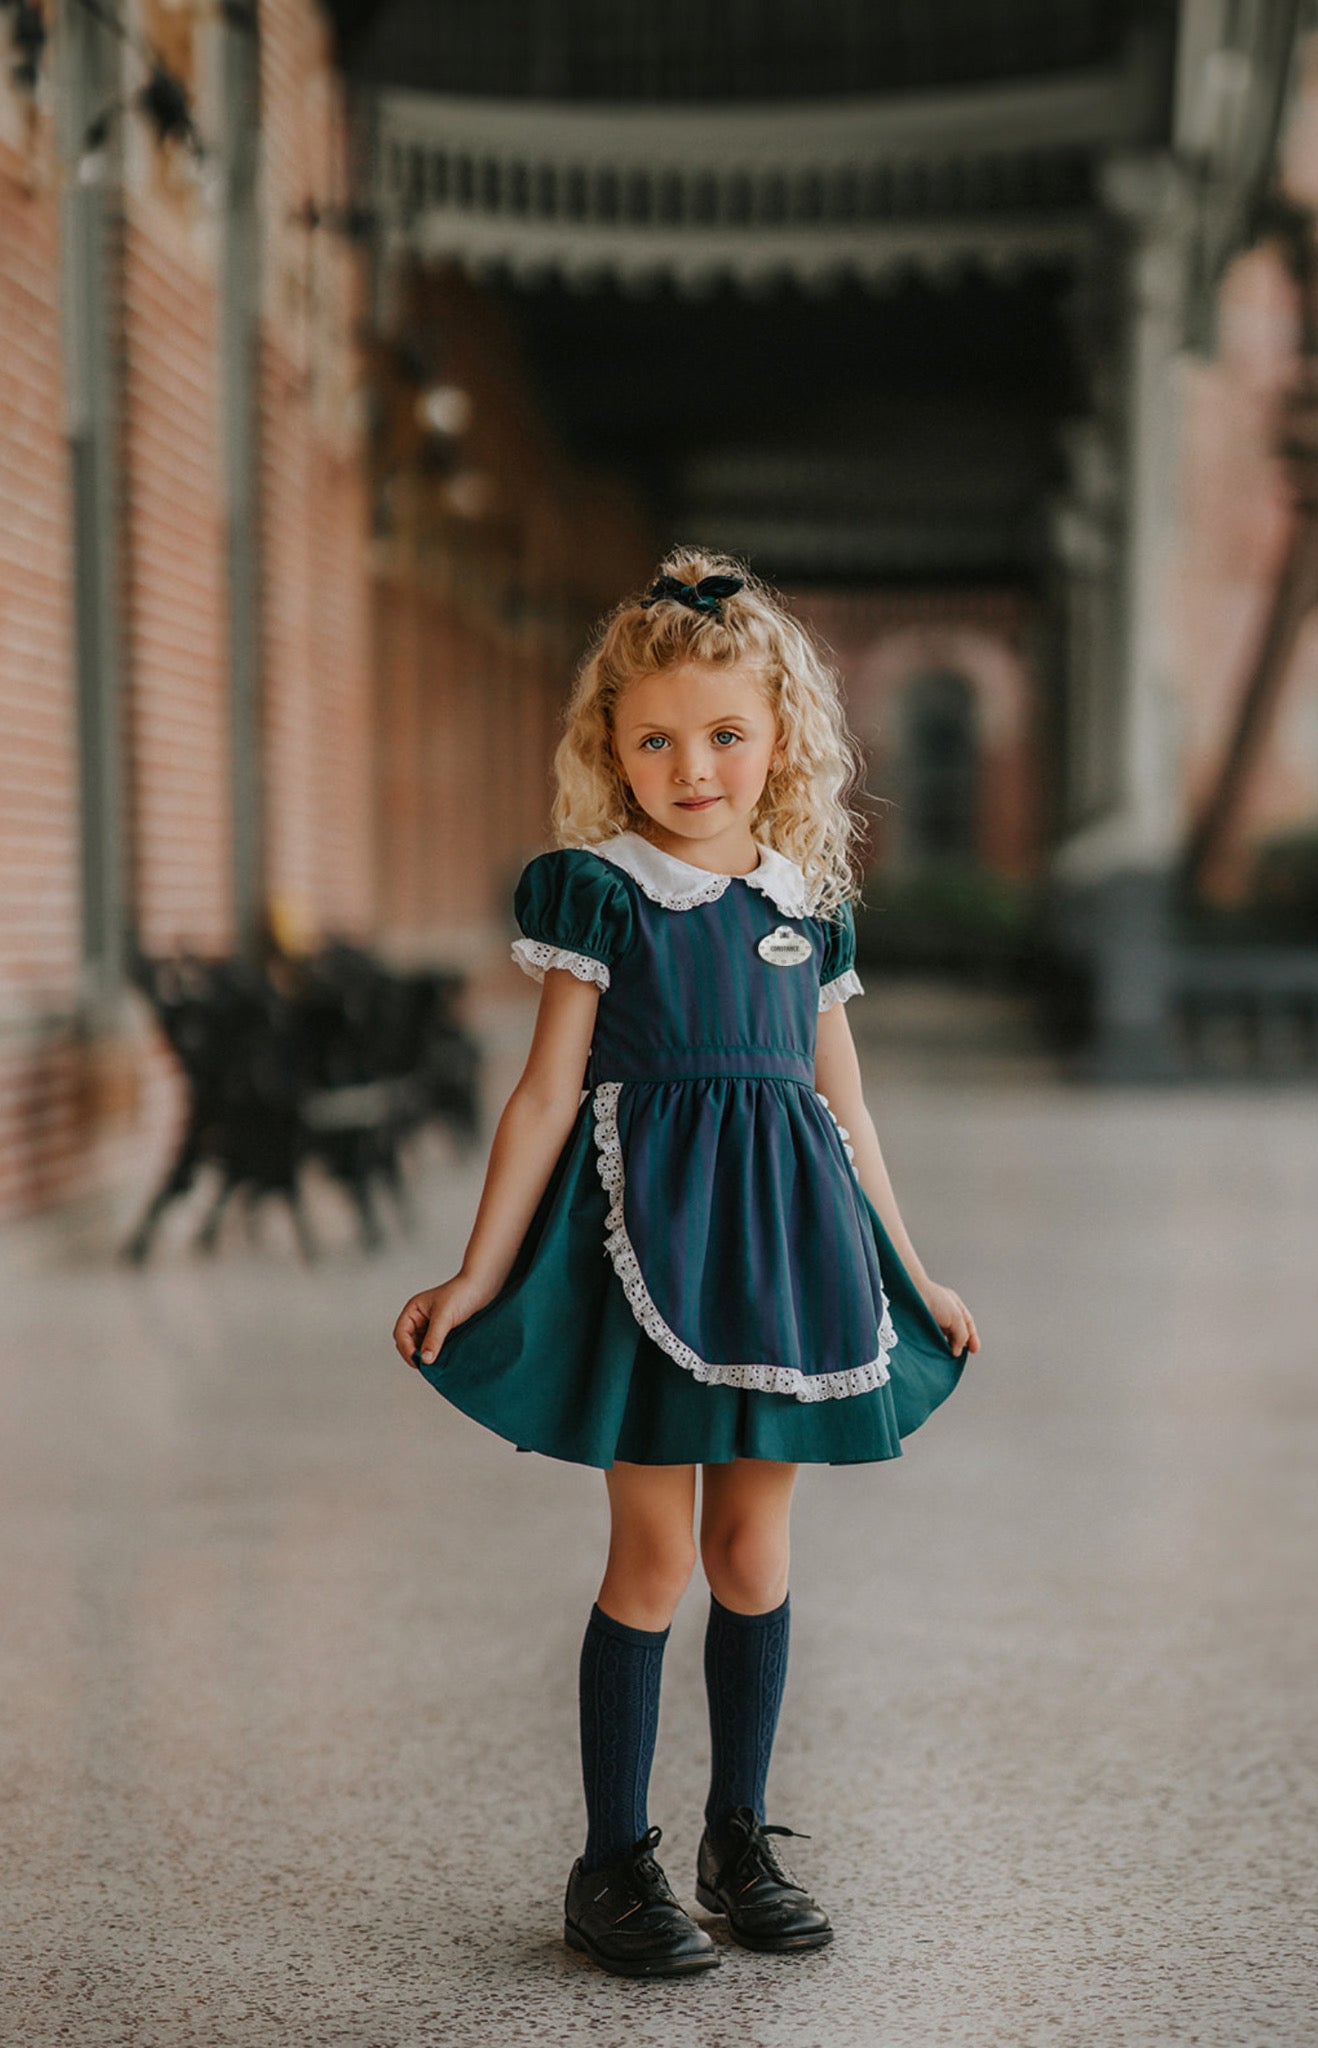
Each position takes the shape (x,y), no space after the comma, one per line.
(745,1670)
(619,1694)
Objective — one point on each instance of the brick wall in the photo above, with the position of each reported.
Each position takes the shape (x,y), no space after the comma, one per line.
(173,565)
(480,620)
(39,904)
(1234,526)
(1235,520)
(409,687)
(316,614)
(883,641)
(82,1114)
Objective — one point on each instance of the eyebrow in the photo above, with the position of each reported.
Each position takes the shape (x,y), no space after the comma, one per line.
(734,718)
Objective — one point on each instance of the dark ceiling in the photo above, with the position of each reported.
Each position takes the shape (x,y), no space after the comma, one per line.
(912,403)
(682,50)
(665,373)
(904,433)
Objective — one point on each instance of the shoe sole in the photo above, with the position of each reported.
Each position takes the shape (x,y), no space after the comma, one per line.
(787,1944)
(645,1966)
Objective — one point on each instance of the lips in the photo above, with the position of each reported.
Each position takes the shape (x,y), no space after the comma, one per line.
(684,804)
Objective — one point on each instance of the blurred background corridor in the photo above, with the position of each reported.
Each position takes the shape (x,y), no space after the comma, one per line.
(354,356)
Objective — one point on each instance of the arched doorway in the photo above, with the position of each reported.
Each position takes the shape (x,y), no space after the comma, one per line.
(939,821)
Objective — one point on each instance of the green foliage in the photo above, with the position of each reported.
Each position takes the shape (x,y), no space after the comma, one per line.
(949,916)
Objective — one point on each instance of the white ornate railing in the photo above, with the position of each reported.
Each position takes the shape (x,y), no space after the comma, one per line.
(696,193)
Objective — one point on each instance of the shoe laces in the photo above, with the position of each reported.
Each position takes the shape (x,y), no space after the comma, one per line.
(754,1856)
(644,1870)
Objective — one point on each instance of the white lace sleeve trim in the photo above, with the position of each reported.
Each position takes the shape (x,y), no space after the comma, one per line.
(535,956)
(838,990)
(766,1379)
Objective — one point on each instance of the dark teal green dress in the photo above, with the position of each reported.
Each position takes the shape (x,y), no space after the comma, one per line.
(704,1277)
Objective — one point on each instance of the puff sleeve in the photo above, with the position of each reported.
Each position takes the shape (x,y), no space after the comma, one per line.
(574,911)
(837,976)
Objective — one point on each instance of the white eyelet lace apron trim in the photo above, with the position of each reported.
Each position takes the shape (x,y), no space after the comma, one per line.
(535,956)
(845,1135)
(840,988)
(765,1379)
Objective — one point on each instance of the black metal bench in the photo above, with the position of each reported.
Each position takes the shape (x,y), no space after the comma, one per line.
(335,1058)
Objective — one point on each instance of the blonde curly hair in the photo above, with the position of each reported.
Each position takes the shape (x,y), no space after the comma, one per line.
(803,810)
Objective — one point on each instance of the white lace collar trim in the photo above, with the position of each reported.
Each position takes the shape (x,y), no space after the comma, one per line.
(680,886)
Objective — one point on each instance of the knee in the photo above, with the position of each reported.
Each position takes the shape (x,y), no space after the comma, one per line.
(651,1570)
(669,1567)
(746,1564)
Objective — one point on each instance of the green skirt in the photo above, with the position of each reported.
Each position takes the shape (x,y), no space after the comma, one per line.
(557,1362)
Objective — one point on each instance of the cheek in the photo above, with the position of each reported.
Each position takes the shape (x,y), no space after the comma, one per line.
(750,762)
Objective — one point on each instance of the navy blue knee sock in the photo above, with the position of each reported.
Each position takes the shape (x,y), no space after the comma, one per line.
(619,1693)
(745,1668)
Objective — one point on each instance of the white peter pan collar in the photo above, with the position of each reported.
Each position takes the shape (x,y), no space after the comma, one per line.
(680,886)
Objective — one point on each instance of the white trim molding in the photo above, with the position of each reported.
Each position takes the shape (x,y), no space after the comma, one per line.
(698,194)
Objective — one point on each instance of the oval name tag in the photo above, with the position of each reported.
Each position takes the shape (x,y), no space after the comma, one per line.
(784,947)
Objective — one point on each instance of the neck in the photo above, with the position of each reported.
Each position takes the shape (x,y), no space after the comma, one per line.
(732,853)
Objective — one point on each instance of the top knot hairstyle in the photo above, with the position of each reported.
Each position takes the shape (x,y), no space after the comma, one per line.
(705,596)
(709,608)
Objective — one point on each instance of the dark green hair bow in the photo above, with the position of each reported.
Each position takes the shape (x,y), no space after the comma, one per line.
(705,596)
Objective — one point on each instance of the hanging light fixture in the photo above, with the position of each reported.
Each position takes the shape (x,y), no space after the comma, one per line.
(444,409)
(28,33)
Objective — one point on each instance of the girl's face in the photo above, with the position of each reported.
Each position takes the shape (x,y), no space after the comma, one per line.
(695,744)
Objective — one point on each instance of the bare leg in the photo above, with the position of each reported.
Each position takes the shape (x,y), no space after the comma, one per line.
(652,1549)
(744,1532)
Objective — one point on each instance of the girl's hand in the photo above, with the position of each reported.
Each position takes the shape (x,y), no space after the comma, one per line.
(427,1318)
(952,1317)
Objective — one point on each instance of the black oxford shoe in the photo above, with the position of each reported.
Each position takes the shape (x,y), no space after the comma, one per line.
(738,1873)
(626,1918)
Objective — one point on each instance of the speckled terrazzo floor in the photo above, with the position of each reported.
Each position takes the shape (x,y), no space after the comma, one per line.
(289,1648)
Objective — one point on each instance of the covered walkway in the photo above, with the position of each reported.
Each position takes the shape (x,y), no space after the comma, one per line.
(290,1652)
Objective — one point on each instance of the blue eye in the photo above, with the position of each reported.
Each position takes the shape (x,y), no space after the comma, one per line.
(725,733)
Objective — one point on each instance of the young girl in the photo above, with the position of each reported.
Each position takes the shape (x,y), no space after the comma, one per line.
(696,1263)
